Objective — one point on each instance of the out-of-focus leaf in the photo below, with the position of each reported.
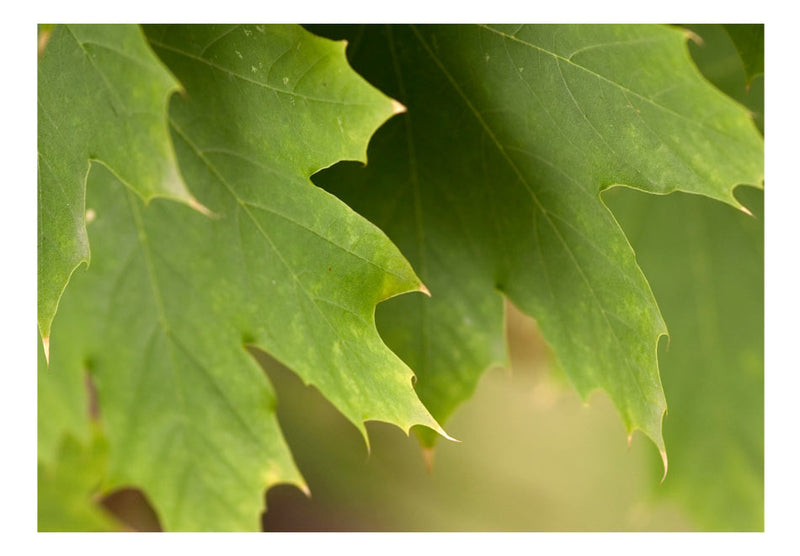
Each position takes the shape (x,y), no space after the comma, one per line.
(705,262)
(69,485)
(62,403)
(716,55)
(749,42)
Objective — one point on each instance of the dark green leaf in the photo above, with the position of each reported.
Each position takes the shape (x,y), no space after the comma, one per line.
(490,184)
(749,41)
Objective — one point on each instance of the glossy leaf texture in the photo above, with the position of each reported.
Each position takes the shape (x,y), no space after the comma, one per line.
(102,98)
(705,262)
(162,319)
(491,184)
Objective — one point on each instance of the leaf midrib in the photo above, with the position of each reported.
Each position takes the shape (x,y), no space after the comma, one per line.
(414,178)
(183,419)
(245,206)
(534,197)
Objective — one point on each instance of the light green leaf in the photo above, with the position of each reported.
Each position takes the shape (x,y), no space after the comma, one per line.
(72,451)
(163,317)
(102,97)
(69,485)
(491,184)
(62,402)
(706,264)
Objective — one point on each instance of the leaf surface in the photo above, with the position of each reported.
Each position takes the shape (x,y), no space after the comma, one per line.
(749,42)
(713,367)
(68,486)
(102,97)
(173,298)
(721,61)
(491,184)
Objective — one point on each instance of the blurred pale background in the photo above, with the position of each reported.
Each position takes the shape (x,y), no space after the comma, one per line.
(532,457)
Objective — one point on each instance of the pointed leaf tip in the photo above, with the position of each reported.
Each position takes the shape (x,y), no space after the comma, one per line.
(398,108)
(694,37)
(441,431)
(424,290)
(666,463)
(200,207)
(46,348)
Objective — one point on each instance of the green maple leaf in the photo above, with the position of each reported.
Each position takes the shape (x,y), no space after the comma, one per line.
(162,319)
(102,97)
(713,368)
(729,65)
(491,184)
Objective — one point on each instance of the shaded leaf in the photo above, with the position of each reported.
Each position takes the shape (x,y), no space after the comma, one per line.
(490,184)
(749,42)
(717,57)
(172,299)
(102,97)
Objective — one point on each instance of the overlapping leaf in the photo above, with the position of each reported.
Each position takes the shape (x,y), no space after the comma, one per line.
(749,41)
(162,318)
(72,453)
(102,98)
(729,64)
(706,265)
(705,262)
(491,184)
(69,486)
